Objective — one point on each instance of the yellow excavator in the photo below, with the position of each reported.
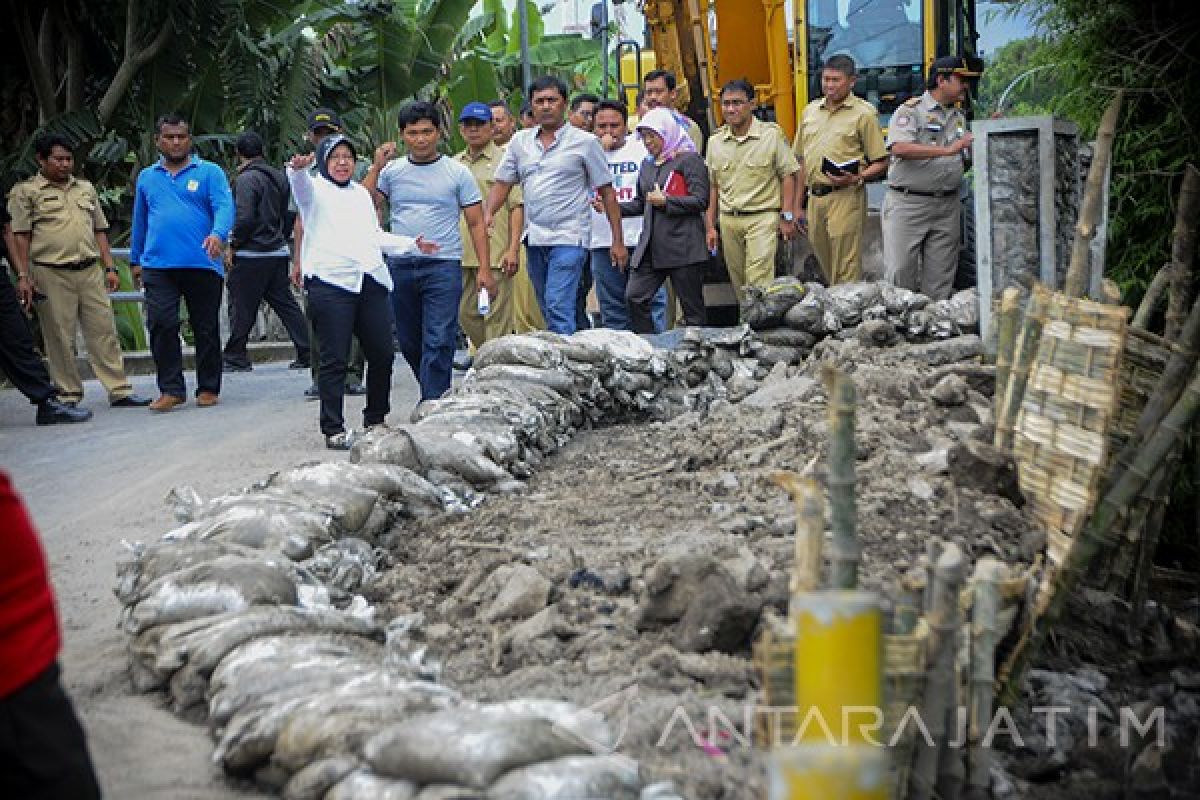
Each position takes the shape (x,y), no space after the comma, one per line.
(779,47)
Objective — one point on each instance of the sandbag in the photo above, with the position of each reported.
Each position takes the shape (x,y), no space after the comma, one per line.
(558,380)
(787,337)
(292,533)
(466,747)
(392,481)
(899,301)
(520,350)
(362,785)
(143,563)
(848,300)
(312,782)
(612,777)
(228,583)
(766,307)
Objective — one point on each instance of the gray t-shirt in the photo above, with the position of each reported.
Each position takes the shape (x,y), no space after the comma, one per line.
(426,200)
(557,183)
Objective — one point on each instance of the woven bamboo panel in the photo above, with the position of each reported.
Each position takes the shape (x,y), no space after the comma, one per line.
(1144,361)
(774,658)
(1069,407)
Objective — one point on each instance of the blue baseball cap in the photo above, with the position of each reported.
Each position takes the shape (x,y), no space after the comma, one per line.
(476,111)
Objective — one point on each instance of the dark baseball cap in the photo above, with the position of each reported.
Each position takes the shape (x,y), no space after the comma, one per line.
(480,112)
(324,118)
(955,65)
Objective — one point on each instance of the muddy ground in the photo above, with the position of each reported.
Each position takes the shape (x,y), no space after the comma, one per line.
(547,592)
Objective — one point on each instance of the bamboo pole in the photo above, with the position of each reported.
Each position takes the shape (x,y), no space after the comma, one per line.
(1183,248)
(1097,532)
(845,551)
(986,634)
(810,529)
(939,702)
(1076,282)
(1174,378)
(910,599)
(1006,339)
(1152,298)
(1023,356)
(1110,293)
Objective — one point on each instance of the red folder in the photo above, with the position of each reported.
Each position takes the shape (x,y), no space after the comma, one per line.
(675,185)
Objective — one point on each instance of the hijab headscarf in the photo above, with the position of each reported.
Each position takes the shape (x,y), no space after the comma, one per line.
(325,148)
(665,123)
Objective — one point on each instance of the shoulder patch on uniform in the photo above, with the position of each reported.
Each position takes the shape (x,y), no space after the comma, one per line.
(912,101)
(904,120)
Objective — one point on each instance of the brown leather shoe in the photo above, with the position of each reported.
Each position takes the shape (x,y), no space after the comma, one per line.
(166,402)
(206,399)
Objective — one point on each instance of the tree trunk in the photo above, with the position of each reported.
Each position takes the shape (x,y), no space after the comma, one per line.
(40,73)
(1183,248)
(134,59)
(1076,282)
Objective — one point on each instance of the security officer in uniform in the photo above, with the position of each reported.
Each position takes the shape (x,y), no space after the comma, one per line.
(753,174)
(61,234)
(842,128)
(929,146)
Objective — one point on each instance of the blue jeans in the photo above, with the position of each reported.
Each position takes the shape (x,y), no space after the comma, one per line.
(425,304)
(610,292)
(554,272)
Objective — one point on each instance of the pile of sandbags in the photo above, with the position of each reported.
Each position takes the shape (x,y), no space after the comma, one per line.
(787,305)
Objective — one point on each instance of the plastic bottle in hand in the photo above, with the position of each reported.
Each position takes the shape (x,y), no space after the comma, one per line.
(485,302)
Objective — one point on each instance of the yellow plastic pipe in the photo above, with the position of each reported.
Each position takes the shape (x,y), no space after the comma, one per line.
(822,772)
(838,667)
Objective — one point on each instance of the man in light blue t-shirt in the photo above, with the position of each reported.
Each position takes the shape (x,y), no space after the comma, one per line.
(425,193)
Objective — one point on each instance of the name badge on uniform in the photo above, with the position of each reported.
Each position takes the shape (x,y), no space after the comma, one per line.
(193,185)
(933,126)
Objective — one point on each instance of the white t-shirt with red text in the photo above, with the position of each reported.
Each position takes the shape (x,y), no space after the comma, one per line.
(625,162)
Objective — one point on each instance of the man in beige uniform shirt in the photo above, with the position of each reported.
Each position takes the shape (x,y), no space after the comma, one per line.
(928,141)
(60,233)
(842,128)
(660,90)
(504,239)
(753,176)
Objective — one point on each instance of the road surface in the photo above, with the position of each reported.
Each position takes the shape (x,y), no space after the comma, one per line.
(90,486)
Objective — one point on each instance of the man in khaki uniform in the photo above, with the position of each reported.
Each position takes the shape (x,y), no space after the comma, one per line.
(753,176)
(929,142)
(842,128)
(504,239)
(660,90)
(60,233)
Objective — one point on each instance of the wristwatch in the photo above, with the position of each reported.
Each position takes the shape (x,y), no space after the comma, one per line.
(787,216)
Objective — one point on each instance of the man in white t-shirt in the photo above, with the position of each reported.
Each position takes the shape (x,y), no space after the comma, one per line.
(625,155)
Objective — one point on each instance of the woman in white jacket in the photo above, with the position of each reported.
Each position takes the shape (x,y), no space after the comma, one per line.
(346,280)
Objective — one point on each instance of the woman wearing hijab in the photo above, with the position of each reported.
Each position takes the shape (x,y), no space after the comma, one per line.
(673,196)
(346,279)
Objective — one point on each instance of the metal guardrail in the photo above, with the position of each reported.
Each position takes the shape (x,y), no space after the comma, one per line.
(132,296)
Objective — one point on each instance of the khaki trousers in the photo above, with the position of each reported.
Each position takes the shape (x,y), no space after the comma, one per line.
(749,246)
(75,299)
(835,228)
(526,313)
(499,321)
(921,242)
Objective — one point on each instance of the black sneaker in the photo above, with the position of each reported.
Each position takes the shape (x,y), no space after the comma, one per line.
(52,412)
(233,366)
(131,401)
(355,388)
(312,393)
(300,363)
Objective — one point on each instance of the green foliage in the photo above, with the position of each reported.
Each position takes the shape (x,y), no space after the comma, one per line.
(1027,66)
(1148,49)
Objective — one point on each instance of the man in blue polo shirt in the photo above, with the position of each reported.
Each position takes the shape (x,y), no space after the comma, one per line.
(182,215)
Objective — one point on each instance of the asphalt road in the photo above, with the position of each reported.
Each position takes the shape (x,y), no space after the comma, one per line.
(91,486)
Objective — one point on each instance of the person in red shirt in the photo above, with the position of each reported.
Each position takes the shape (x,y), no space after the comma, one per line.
(43,751)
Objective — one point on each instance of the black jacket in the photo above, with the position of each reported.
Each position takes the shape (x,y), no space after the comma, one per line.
(262,222)
(672,236)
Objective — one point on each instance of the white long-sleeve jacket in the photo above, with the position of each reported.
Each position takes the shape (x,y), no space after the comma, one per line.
(342,238)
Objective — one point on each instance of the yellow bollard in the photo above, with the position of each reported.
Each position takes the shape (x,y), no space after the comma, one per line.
(838,667)
(824,772)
